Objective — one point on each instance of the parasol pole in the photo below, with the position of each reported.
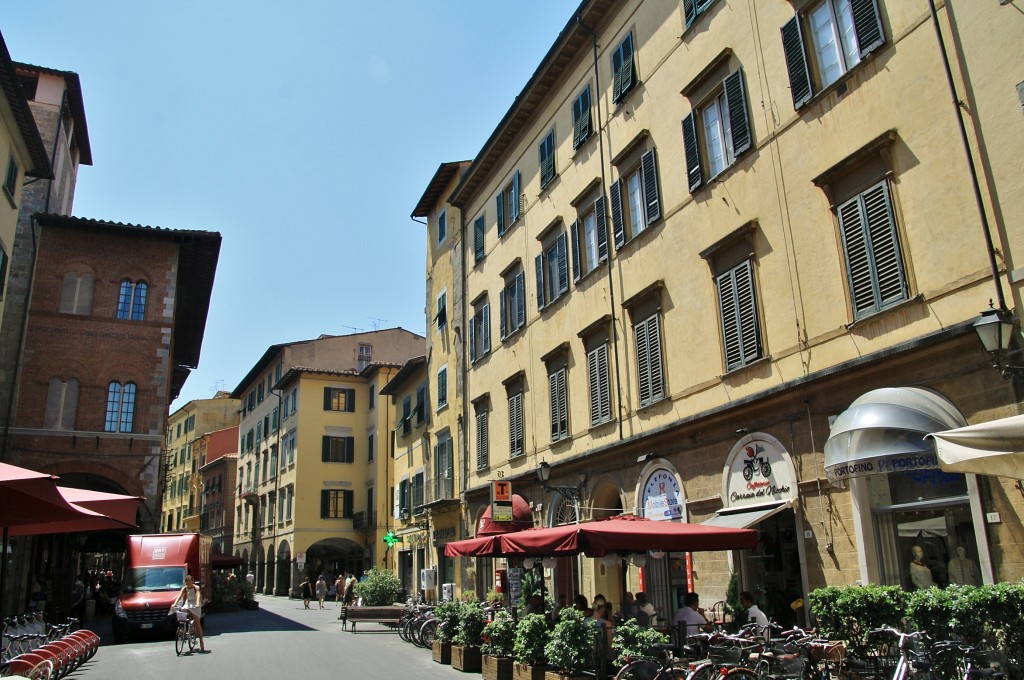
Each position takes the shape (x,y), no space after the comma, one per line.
(3,572)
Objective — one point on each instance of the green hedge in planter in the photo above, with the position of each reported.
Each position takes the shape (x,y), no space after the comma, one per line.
(631,640)
(571,647)
(849,612)
(447,615)
(499,635)
(531,636)
(472,620)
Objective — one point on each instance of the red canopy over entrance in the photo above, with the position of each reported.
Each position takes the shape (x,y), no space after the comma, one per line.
(482,546)
(625,533)
(221,561)
(522,518)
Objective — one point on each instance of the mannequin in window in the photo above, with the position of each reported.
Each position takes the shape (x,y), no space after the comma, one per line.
(920,574)
(963,571)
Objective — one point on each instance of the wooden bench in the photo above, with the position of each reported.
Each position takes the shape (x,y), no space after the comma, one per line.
(389,616)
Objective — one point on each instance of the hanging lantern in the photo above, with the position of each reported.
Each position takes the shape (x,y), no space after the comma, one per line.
(610,560)
(639,559)
(528,562)
(657,554)
(549,562)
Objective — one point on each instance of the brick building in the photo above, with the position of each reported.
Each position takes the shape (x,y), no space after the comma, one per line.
(218,459)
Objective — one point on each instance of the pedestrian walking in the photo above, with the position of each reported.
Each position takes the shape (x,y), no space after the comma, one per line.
(350,584)
(307,592)
(339,588)
(321,590)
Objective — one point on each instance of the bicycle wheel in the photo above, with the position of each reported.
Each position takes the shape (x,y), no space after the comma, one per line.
(705,671)
(427,633)
(191,636)
(405,630)
(641,669)
(179,639)
(742,674)
(674,673)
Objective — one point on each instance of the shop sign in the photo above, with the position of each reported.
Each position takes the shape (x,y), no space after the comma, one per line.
(444,534)
(501,501)
(907,462)
(662,497)
(515,585)
(759,473)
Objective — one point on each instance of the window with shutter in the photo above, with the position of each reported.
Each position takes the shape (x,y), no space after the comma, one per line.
(515,424)
(737,303)
(441,318)
(559,403)
(636,198)
(581,121)
(717,132)
(513,302)
(442,387)
(694,8)
(482,440)
(442,226)
(507,204)
(552,267)
(478,238)
(623,69)
(826,40)
(547,159)
(340,399)
(11,177)
(650,378)
(599,385)
(874,262)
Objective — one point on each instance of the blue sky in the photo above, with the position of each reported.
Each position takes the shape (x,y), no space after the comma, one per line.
(303,132)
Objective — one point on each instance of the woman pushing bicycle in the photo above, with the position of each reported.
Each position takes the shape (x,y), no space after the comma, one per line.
(192,602)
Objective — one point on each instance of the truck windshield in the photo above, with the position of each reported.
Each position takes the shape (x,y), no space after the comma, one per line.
(148,579)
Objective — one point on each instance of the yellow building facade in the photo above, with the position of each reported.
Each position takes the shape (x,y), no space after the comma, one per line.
(180,504)
(705,232)
(313,494)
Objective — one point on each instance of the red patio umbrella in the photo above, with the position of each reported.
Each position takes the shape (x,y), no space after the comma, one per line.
(114,505)
(481,546)
(626,533)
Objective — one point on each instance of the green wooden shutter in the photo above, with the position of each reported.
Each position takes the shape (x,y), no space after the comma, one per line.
(350,449)
(601,225)
(515,197)
(481,440)
(867,22)
(643,362)
(553,403)
(472,338)
(689,11)
(738,307)
(350,400)
(348,498)
(577,266)
(325,449)
(502,313)
(327,398)
(478,239)
(649,172)
(563,263)
(654,349)
(538,263)
(500,209)
(520,300)
(618,224)
(885,246)
(486,324)
(796,62)
(3,271)
(694,176)
(739,118)
(325,503)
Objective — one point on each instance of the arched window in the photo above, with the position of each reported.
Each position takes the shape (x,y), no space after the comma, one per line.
(131,301)
(76,293)
(61,404)
(120,407)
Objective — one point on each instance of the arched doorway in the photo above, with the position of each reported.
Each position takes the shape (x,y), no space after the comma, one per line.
(332,556)
(284,569)
(271,564)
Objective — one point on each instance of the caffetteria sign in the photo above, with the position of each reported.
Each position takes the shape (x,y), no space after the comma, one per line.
(758,471)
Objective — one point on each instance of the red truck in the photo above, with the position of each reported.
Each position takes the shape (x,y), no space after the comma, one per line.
(154,574)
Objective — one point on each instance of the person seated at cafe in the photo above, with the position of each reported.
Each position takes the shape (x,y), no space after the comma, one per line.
(646,614)
(579,603)
(754,613)
(692,615)
(599,599)
(536,605)
(628,607)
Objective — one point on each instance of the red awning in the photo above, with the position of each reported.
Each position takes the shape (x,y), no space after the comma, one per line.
(220,561)
(481,546)
(625,533)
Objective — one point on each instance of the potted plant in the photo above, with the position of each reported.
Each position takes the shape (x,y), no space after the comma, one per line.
(447,615)
(378,588)
(528,649)
(466,643)
(631,641)
(498,639)
(570,650)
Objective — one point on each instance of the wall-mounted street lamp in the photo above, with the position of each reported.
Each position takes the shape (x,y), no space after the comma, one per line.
(995,331)
(573,493)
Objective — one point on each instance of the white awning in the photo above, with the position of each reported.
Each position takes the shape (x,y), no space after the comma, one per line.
(884,431)
(744,518)
(992,448)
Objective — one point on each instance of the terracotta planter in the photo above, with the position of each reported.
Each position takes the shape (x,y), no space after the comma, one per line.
(442,652)
(497,667)
(522,671)
(555,675)
(466,659)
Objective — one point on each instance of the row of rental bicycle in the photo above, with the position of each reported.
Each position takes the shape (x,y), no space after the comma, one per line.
(35,649)
(756,653)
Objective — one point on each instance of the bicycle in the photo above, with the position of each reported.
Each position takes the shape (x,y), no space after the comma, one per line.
(664,666)
(186,633)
